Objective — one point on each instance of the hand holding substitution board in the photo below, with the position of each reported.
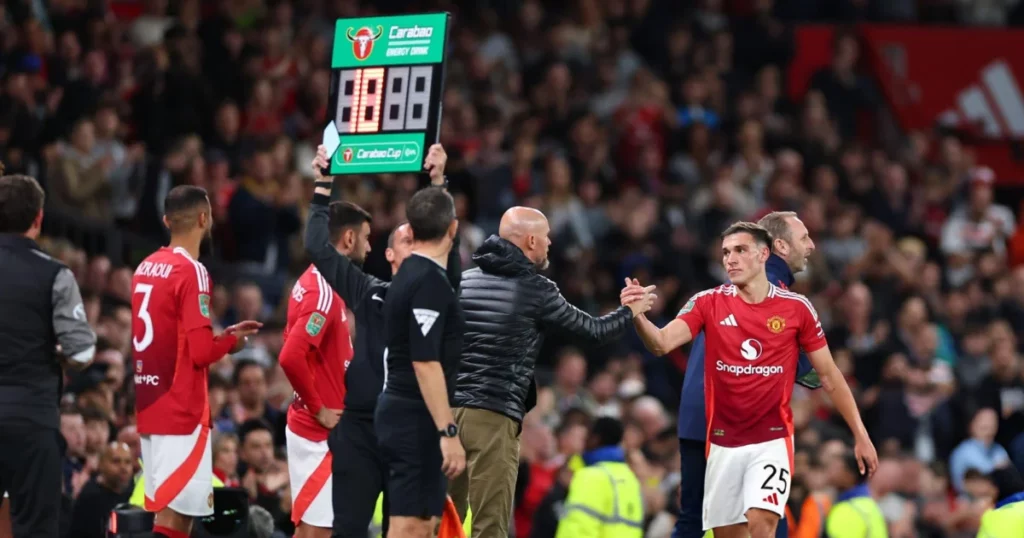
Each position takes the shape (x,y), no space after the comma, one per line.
(387,82)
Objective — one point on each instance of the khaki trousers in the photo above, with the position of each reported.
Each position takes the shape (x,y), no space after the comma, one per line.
(491,441)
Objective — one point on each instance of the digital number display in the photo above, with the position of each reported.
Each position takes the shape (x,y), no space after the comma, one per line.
(383,99)
(386,90)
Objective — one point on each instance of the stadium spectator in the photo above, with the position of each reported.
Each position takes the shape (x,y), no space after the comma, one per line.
(111,486)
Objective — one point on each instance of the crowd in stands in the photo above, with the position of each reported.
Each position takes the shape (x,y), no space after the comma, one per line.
(641,128)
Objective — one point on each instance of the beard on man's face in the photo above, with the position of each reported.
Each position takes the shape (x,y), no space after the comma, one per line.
(544,264)
(206,245)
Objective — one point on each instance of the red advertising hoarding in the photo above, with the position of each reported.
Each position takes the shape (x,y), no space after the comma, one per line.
(966,78)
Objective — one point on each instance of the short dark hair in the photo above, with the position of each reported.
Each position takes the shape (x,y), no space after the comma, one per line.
(240,367)
(181,203)
(344,216)
(253,425)
(607,431)
(760,235)
(430,213)
(21,199)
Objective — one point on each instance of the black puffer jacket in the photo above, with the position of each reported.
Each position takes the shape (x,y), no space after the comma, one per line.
(507,308)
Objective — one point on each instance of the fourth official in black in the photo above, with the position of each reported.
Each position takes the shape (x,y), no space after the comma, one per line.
(414,420)
(336,242)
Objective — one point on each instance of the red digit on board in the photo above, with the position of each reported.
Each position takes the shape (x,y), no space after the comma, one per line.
(369,85)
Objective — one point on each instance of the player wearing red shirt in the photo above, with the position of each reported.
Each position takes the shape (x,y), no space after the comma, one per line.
(174,346)
(754,332)
(317,351)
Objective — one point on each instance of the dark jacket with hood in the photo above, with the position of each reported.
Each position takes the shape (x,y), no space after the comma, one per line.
(508,307)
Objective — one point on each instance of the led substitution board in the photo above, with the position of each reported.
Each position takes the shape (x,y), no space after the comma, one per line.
(387,80)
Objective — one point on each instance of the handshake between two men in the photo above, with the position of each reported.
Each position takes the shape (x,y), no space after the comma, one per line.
(638,298)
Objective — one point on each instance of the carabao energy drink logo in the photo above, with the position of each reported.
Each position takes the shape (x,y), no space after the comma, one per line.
(362,41)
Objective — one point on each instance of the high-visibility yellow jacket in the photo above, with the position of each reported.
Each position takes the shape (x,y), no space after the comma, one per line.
(138,497)
(1005,521)
(377,525)
(604,501)
(856,515)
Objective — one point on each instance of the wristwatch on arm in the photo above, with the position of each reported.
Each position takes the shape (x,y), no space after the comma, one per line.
(450,430)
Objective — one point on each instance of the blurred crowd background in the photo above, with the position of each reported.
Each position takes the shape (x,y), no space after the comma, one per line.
(640,127)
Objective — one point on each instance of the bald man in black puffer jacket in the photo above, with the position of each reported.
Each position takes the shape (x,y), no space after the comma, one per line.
(508,306)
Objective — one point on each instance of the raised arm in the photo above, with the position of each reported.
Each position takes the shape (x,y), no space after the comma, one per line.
(555,312)
(663,340)
(345,277)
(676,333)
(435,163)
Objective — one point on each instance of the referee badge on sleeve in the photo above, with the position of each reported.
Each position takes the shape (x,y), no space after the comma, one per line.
(204,305)
(315,324)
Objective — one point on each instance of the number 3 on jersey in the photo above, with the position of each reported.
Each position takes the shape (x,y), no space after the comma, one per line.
(147,337)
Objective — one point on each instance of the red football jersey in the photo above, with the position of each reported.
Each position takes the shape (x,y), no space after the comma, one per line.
(751,359)
(170,297)
(316,314)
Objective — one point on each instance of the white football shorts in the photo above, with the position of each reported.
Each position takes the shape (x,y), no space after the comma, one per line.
(178,472)
(309,471)
(744,477)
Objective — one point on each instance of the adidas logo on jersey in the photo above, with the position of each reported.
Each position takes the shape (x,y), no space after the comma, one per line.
(730,321)
(772,499)
(425,319)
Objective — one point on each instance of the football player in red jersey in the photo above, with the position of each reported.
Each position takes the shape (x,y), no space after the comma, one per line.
(174,347)
(754,331)
(316,354)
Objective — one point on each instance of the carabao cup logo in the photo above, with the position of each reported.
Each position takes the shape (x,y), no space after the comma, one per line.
(362,41)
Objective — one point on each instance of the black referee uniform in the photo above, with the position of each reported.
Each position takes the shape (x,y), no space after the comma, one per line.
(360,473)
(424,324)
(40,307)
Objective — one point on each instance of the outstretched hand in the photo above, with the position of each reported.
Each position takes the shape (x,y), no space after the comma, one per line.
(243,330)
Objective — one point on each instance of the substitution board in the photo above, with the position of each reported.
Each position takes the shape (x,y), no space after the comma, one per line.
(387,82)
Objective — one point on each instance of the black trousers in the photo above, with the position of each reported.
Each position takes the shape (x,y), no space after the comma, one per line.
(30,471)
(360,475)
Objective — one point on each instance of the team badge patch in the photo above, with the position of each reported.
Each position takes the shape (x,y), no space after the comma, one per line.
(687,307)
(204,305)
(776,324)
(315,324)
(209,500)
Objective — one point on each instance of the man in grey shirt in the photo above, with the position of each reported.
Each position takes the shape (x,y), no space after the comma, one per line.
(42,327)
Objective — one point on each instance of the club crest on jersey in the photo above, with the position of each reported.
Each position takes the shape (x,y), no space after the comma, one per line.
(315,324)
(209,500)
(138,366)
(204,305)
(687,307)
(776,324)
